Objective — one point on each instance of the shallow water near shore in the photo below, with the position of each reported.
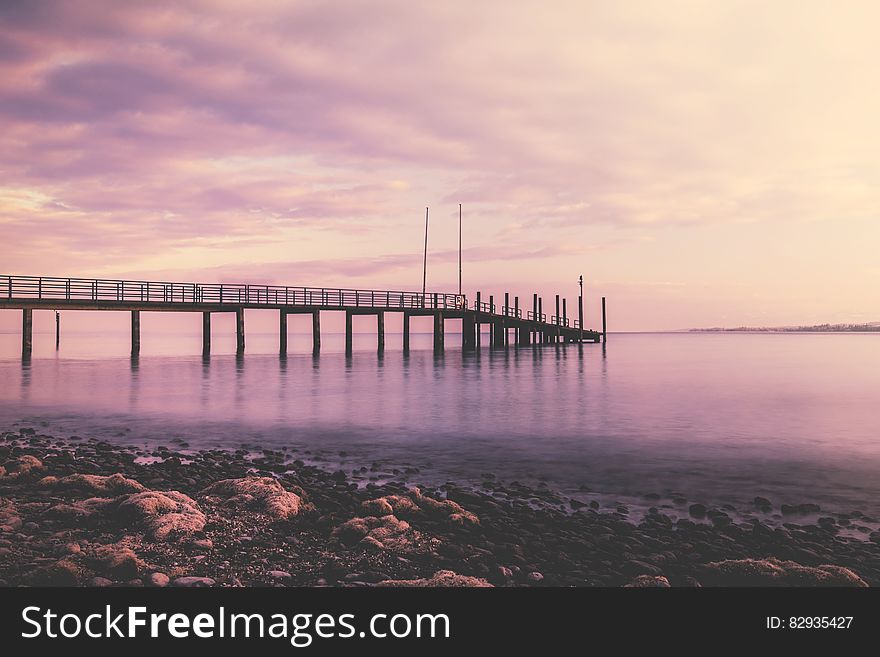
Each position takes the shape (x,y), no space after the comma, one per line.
(713,418)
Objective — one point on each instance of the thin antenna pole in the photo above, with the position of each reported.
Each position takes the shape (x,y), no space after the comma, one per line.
(425,262)
(459,249)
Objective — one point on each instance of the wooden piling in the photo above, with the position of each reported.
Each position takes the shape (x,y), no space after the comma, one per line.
(506,337)
(406,317)
(498,328)
(467,331)
(380,331)
(27,331)
(540,337)
(316,331)
(556,336)
(348,331)
(581,318)
(57,330)
(239,331)
(206,333)
(135,332)
(604,326)
(534,328)
(282,332)
(491,321)
(565,312)
(477,312)
(439,338)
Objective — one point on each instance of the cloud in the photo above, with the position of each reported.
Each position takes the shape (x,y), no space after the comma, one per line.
(206,134)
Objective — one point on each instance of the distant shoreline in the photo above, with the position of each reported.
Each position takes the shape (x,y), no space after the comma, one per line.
(873,327)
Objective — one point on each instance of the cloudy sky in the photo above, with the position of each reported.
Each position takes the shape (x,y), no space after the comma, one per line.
(701,163)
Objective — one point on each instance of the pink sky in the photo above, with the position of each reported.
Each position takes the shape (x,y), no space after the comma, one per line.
(701,163)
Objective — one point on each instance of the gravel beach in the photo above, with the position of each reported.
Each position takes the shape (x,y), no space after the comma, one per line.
(81,512)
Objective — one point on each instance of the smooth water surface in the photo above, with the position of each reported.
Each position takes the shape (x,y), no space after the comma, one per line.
(715,417)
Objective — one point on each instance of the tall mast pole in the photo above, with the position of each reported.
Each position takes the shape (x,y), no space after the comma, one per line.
(459,249)
(425,261)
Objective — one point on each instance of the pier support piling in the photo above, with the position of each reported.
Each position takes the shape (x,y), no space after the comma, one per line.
(380,331)
(406,317)
(557,331)
(348,331)
(57,330)
(282,332)
(239,331)
(477,311)
(439,337)
(491,320)
(135,332)
(316,331)
(468,336)
(206,333)
(499,329)
(516,327)
(27,332)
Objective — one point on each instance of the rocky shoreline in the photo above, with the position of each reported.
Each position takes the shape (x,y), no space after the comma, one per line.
(82,512)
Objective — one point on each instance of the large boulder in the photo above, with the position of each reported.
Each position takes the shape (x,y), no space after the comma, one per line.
(262,494)
(117,561)
(773,572)
(21,467)
(648,581)
(416,504)
(166,515)
(442,578)
(93,485)
(9,518)
(86,512)
(382,533)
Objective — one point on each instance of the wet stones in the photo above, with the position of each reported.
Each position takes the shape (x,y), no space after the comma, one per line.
(792,509)
(10,521)
(22,467)
(762,504)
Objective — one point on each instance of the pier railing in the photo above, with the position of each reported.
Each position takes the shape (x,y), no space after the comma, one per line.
(82,289)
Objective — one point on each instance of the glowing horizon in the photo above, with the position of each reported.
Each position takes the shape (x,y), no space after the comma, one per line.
(701,164)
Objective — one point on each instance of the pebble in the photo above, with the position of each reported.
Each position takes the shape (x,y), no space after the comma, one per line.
(193,582)
(159,580)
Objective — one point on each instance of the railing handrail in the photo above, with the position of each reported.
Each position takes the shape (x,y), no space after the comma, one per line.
(4,277)
(122,290)
(53,288)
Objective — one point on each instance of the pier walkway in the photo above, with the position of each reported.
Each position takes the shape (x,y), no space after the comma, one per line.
(510,324)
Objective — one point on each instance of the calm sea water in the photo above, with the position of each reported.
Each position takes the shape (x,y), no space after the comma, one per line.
(717,418)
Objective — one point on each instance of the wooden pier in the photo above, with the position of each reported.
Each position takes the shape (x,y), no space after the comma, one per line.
(29,293)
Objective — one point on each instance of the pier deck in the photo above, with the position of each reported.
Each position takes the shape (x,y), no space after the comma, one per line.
(29,293)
